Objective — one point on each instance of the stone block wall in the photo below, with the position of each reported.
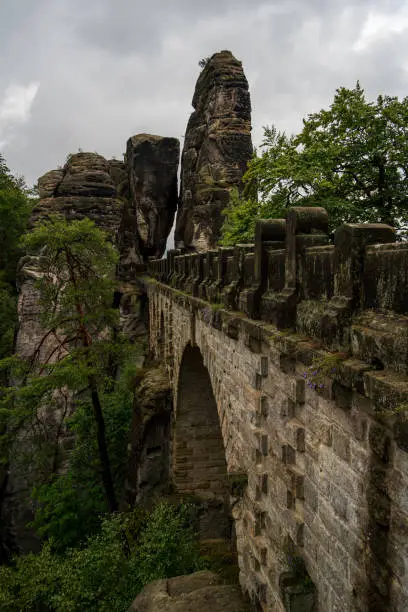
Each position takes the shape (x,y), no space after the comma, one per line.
(306,361)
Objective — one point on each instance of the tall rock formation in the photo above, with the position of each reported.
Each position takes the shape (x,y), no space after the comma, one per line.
(216,150)
(152,163)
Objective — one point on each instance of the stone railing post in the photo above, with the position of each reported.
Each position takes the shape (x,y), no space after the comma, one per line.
(198,273)
(266,230)
(305,226)
(351,240)
(215,289)
(208,276)
(183,271)
(190,257)
(171,269)
(153,266)
(230,294)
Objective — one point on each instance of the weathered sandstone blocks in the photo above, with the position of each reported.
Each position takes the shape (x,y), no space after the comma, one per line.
(152,163)
(216,150)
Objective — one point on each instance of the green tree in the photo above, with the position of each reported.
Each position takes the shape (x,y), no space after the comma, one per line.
(352,159)
(15,207)
(100,575)
(240,219)
(76,282)
(70,505)
(8,319)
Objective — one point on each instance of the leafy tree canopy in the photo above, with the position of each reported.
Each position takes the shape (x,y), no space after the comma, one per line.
(69,506)
(15,206)
(75,264)
(352,159)
(104,574)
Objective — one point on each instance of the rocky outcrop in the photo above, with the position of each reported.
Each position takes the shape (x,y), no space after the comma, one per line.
(134,201)
(216,150)
(201,592)
(48,183)
(152,163)
(85,187)
(148,465)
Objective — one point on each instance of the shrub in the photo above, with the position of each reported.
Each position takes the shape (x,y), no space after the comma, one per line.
(107,572)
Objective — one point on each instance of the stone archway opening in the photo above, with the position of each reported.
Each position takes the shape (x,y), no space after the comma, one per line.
(199,463)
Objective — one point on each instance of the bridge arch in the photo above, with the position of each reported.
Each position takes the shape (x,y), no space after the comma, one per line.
(199,462)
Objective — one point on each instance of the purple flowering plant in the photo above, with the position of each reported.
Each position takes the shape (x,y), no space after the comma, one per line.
(321,368)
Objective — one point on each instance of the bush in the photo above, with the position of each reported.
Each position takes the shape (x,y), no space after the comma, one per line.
(107,572)
(167,546)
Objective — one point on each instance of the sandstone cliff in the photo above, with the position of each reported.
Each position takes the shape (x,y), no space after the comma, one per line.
(133,201)
(216,150)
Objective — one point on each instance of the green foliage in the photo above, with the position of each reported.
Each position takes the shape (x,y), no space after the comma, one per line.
(351,159)
(15,206)
(77,267)
(240,218)
(8,319)
(78,354)
(29,584)
(167,547)
(70,507)
(104,574)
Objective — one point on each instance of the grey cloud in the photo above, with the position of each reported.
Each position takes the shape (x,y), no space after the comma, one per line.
(108,70)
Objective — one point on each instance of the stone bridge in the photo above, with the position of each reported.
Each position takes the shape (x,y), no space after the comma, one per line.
(288,361)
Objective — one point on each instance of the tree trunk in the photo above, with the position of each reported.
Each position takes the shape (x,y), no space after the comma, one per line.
(102,448)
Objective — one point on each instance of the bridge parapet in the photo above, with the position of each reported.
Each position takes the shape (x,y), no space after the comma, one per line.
(306,346)
(351,295)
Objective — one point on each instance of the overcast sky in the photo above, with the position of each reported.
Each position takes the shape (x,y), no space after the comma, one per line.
(90,73)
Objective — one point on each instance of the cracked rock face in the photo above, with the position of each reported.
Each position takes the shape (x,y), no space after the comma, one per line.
(152,163)
(83,188)
(217,148)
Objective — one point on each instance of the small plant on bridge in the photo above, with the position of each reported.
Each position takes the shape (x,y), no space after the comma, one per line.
(209,311)
(322,368)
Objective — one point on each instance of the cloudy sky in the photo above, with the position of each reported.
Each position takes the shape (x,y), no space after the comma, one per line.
(90,73)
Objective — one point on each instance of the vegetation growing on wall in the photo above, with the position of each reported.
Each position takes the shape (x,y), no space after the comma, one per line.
(352,159)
